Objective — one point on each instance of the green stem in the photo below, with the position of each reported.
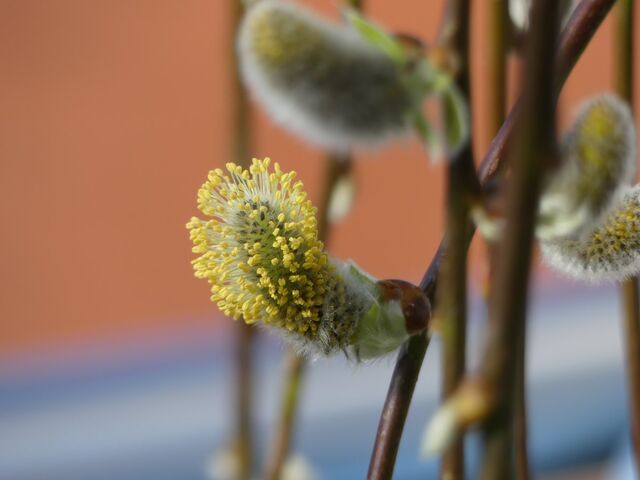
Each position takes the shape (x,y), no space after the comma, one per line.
(629,289)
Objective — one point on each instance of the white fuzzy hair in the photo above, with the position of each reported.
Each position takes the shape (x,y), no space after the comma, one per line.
(563,255)
(288,103)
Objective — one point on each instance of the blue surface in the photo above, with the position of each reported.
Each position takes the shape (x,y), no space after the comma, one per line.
(160,414)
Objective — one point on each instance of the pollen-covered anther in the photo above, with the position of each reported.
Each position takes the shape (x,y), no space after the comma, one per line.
(610,252)
(259,232)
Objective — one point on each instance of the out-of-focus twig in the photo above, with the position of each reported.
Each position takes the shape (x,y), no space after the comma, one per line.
(629,290)
(293,377)
(520,430)
(498,32)
(577,33)
(497,22)
(244,333)
(583,23)
(244,381)
(533,151)
(462,185)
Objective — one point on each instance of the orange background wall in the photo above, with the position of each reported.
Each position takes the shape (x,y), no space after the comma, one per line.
(112,112)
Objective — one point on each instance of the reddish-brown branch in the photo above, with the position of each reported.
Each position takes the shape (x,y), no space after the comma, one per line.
(532,153)
(576,35)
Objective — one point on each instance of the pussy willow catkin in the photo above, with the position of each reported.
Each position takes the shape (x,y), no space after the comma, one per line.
(598,161)
(611,252)
(322,80)
(260,252)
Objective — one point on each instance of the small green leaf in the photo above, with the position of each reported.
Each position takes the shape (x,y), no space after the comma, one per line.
(377,37)
(428,135)
(370,282)
(432,79)
(456,115)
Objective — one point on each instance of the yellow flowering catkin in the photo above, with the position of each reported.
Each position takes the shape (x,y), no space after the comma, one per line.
(611,252)
(321,80)
(260,252)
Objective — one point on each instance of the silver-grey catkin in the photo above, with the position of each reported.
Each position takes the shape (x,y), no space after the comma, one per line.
(322,80)
(611,252)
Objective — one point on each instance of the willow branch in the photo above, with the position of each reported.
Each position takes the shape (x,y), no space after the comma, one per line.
(462,185)
(577,34)
(294,372)
(497,22)
(623,55)
(532,152)
(244,332)
(396,405)
(244,381)
(498,31)
(520,429)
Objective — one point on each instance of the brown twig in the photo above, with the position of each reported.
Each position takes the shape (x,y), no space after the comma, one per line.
(294,373)
(244,381)
(497,22)
(244,332)
(509,298)
(531,154)
(629,289)
(520,430)
(576,35)
(462,185)
(498,31)
(403,383)
(631,301)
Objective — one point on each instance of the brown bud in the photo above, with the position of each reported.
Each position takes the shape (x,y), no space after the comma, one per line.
(415,305)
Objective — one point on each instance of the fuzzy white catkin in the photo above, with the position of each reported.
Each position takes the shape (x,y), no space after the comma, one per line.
(611,252)
(321,80)
(598,161)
